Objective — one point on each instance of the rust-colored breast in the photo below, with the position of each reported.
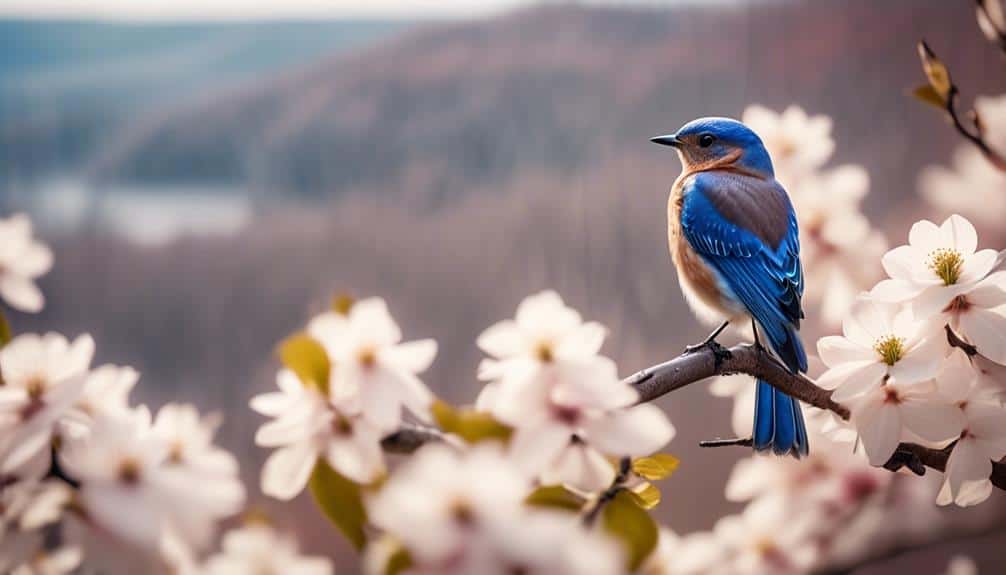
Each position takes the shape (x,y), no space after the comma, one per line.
(698,281)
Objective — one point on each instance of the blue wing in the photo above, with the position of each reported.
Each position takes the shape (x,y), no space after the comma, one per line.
(745,229)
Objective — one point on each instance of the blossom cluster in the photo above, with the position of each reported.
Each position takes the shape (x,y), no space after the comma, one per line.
(921,356)
(973,187)
(115,481)
(340,414)
(564,422)
(839,247)
(570,412)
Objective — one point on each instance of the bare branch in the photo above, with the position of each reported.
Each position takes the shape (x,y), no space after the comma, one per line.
(410,438)
(710,361)
(973,134)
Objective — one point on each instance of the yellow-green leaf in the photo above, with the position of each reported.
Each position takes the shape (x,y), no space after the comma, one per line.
(5,334)
(305,356)
(927,94)
(936,71)
(556,497)
(399,561)
(472,426)
(655,467)
(341,501)
(646,495)
(632,526)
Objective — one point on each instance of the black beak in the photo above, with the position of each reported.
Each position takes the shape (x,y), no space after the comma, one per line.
(668,140)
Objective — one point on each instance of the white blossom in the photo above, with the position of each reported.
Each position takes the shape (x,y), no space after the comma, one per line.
(123,464)
(544,333)
(567,405)
(372,370)
(258,548)
(472,519)
(106,392)
(973,186)
(797,143)
(22,261)
(189,437)
(309,426)
(767,539)
(880,340)
(883,413)
(44,376)
(839,249)
(982,438)
(939,264)
(834,473)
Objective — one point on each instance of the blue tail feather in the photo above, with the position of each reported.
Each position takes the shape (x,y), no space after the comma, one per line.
(778,423)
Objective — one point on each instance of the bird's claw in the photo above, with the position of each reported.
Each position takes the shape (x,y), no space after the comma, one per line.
(720,353)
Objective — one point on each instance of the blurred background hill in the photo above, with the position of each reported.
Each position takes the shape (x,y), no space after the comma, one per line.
(208,186)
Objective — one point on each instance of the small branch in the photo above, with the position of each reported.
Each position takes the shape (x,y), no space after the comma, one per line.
(410,438)
(740,441)
(956,341)
(624,466)
(752,360)
(949,97)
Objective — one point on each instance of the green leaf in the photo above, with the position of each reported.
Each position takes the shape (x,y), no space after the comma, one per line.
(5,333)
(555,497)
(305,356)
(341,501)
(632,526)
(646,495)
(399,561)
(927,94)
(472,426)
(655,467)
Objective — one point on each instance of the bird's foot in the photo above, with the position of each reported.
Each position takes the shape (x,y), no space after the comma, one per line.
(711,344)
(720,353)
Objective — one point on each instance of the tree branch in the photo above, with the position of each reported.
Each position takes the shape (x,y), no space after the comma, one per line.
(974,134)
(710,361)
(410,438)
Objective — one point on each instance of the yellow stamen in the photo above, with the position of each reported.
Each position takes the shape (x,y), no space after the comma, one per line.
(947,264)
(545,353)
(129,471)
(35,386)
(368,357)
(890,348)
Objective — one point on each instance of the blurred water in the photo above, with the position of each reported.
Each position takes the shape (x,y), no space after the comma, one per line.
(149,214)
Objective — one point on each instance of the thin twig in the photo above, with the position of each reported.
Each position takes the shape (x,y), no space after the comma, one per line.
(973,135)
(410,438)
(624,466)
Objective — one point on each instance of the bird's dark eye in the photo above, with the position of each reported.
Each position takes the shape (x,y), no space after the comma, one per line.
(706,140)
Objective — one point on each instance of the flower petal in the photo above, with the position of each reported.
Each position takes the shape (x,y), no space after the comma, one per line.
(638,430)
(285,473)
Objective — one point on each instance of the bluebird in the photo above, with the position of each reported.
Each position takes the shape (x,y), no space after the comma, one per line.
(734,241)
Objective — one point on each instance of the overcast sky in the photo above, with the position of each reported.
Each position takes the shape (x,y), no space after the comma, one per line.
(268,9)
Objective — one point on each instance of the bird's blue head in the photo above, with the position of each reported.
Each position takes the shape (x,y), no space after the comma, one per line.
(716,143)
